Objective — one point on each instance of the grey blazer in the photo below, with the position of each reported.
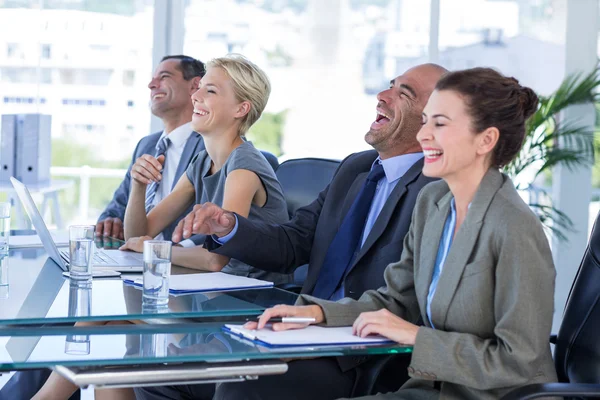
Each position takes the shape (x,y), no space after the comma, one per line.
(493,304)
(116,207)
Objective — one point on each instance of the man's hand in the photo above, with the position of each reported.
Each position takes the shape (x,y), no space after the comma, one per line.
(387,324)
(314,311)
(147,169)
(206,219)
(135,244)
(110,227)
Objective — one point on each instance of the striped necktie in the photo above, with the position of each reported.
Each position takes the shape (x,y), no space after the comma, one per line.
(161,148)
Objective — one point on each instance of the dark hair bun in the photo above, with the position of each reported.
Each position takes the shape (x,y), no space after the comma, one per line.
(496,100)
(528,101)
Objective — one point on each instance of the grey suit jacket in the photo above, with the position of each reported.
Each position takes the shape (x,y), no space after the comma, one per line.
(147,145)
(494,301)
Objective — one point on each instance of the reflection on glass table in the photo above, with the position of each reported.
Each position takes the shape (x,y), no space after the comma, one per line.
(39,294)
(129,345)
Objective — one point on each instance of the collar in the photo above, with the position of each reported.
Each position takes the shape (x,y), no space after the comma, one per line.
(396,167)
(179,135)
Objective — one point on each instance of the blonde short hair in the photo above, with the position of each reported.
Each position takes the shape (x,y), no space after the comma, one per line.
(250,83)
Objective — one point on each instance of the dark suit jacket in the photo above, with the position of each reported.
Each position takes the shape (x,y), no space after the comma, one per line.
(306,238)
(147,145)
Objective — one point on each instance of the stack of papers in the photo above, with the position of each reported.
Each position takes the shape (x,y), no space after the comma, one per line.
(309,336)
(208,282)
(61,238)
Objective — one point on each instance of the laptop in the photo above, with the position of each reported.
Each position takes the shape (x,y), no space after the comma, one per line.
(107,260)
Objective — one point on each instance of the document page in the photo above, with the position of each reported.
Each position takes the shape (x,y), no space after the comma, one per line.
(209,282)
(310,336)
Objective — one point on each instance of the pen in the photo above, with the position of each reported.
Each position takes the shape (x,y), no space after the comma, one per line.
(287,320)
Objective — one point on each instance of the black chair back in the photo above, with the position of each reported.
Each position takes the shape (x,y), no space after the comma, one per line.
(273,161)
(577,351)
(302,179)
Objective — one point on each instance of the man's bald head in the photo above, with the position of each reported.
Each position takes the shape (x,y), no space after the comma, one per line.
(400,108)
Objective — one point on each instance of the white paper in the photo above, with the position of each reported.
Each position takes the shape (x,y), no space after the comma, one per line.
(309,336)
(61,238)
(210,281)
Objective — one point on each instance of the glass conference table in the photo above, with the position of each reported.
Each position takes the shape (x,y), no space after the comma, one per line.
(48,321)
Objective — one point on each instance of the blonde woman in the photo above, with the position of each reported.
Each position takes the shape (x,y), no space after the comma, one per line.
(230,172)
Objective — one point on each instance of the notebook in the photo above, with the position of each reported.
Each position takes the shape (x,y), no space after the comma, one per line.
(310,336)
(61,238)
(208,282)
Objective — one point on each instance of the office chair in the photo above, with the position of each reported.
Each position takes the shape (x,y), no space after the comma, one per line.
(577,345)
(302,179)
(273,161)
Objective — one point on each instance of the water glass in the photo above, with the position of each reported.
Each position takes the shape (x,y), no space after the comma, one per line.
(157,269)
(80,298)
(154,345)
(4,226)
(81,251)
(3,274)
(77,344)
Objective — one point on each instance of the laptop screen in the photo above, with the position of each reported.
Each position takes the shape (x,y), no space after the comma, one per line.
(38,223)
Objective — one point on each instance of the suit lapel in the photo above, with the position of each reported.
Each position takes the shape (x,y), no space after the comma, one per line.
(388,209)
(192,147)
(352,194)
(462,247)
(429,243)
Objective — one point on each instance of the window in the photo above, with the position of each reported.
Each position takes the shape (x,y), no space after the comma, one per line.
(523,39)
(12,50)
(45,51)
(315,53)
(84,102)
(128,78)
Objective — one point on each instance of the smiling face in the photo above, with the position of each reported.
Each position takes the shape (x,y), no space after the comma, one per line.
(169,92)
(216,107)
(399,111)
(452,150)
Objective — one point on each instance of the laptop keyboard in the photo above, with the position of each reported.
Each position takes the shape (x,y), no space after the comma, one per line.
(100,258)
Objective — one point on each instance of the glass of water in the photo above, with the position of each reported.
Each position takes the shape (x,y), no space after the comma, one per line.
(80,305)
(4,226)
(157,269)
(81,251)
(4,288)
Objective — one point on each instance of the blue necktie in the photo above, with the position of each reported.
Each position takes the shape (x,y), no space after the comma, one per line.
(346,241)
(151,189)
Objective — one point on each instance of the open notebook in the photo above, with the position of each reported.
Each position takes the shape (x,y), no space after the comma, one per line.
(208,282)
(310,336)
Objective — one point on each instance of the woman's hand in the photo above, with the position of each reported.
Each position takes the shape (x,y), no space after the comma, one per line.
(287,311)
(135,244)
(386,324)
(147,169)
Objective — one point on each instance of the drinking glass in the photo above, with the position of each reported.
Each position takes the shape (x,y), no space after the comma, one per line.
(4,226)
(80,305)
(4,275)
(157,269)
(81,249)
